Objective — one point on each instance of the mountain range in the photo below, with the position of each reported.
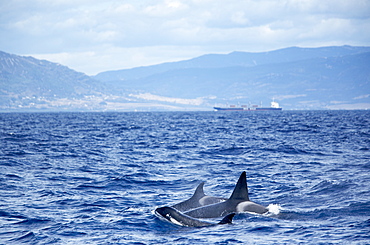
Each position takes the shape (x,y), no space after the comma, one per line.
(297,78)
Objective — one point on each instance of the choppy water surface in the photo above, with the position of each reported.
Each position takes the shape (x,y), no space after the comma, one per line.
(95,178)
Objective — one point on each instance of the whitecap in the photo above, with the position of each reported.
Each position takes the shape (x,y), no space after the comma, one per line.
(274,209)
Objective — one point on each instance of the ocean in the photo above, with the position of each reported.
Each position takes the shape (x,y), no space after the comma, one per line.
(96,177)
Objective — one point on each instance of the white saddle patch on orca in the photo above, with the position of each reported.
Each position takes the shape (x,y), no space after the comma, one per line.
(208,200)
(252,207)
(198,199)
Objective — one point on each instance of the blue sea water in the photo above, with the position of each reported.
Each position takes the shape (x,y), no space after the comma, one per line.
(95,178)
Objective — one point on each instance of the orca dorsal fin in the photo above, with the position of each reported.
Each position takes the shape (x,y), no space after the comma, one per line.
(228,219)
(241,189)
(199,192)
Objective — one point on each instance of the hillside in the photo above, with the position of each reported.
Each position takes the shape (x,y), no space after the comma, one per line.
(29,83)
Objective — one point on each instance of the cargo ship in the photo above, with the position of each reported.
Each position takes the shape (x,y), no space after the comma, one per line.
(274,107)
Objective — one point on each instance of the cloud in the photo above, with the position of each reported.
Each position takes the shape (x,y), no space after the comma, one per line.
(152,97)
(290,96)
(123,31)
(166,8)
(362,97)
(357,106)
(338,102)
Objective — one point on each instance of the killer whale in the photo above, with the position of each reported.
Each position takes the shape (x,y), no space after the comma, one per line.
(198,199)
(237,203)
(176,217)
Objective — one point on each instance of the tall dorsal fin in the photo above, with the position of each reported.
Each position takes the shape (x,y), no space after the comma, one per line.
(241,189)
(199,192)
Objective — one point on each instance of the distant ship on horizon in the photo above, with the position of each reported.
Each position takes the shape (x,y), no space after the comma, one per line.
(274,107)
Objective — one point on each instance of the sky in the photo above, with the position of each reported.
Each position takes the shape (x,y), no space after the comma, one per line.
(93,36)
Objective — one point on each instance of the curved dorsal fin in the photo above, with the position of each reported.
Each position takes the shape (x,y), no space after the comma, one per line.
(199,192)
(228,219)
(192,202)
(241,189)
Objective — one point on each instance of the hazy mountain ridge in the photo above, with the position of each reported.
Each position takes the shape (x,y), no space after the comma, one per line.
(297,78)
(235,58)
